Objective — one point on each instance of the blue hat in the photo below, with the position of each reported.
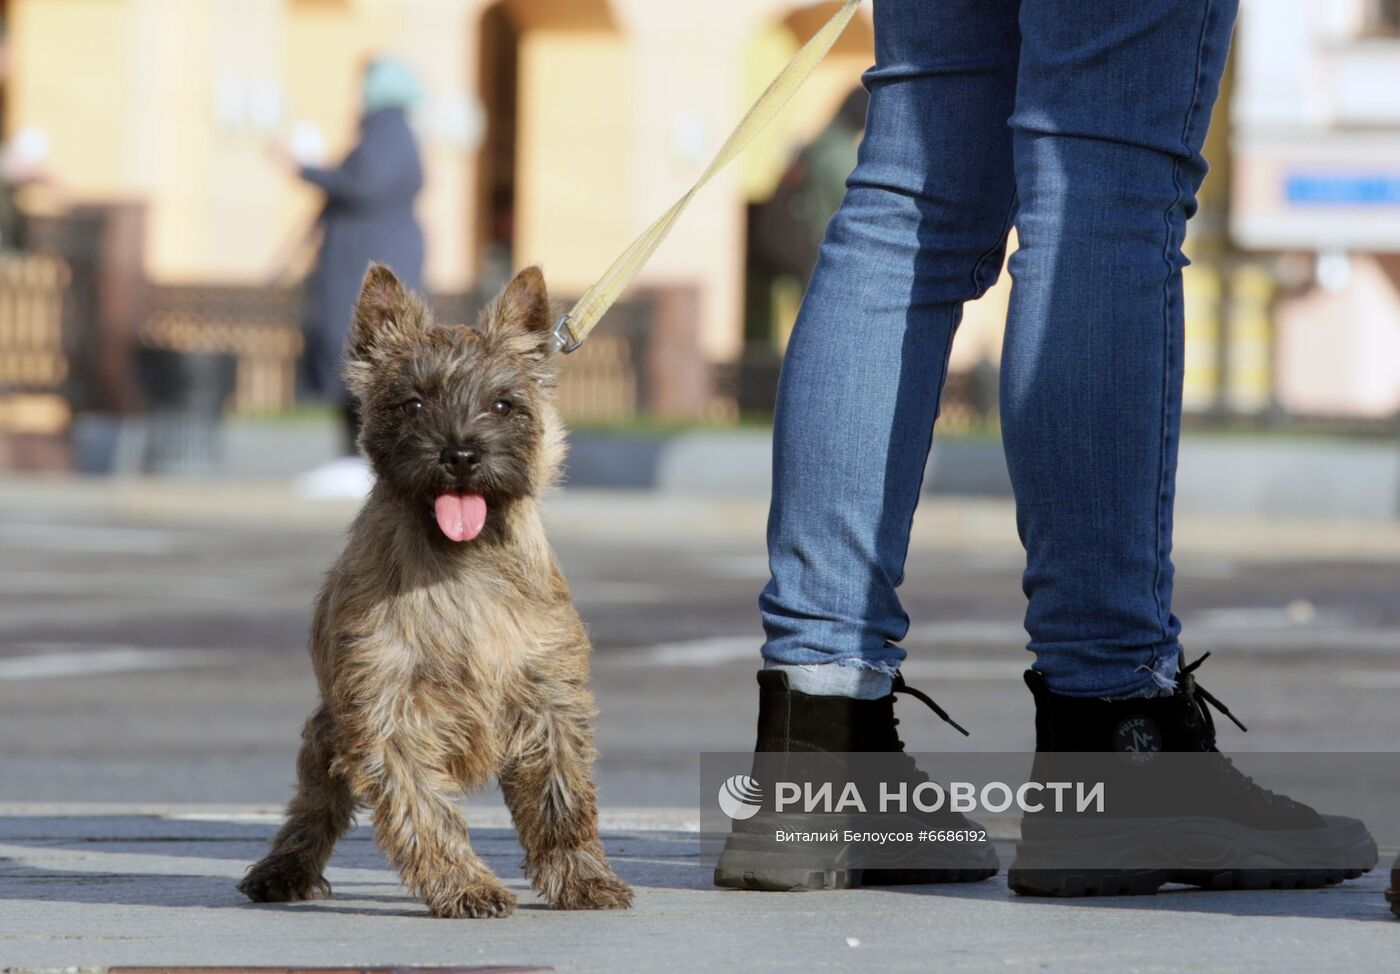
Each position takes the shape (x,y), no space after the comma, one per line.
(390,84)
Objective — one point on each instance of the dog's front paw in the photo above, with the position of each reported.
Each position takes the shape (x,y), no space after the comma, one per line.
(283,880)
(594,893)
(477,901)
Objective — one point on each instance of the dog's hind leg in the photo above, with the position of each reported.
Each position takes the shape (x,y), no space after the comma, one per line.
(317,816)
(548,784)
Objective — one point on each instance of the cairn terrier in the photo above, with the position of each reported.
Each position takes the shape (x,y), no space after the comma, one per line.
(445,641)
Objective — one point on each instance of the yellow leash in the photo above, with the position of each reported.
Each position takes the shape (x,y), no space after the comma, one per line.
(573,328)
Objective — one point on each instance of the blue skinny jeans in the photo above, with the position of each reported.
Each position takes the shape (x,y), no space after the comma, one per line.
(1081,123)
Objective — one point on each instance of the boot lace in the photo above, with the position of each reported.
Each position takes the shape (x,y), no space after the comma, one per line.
(901,687)
(1192,689)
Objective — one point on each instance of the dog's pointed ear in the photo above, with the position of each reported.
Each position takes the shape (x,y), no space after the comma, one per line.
(386,314)
(526,301)
(381,313)
(521,315)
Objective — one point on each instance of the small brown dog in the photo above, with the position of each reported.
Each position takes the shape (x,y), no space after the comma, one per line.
(445,641)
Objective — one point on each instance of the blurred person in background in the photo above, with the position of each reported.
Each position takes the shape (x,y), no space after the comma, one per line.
(784,234)
(822,167)
(789,225)
(368,216)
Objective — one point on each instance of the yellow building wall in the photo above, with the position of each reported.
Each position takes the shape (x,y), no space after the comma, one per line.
(134,96)
(620,110)
(70,75)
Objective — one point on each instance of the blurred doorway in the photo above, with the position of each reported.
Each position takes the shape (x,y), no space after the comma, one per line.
(498,86)
(552,73)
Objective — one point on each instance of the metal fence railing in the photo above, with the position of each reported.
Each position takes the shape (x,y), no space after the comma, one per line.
(256,326)
(34,362)
(600,383)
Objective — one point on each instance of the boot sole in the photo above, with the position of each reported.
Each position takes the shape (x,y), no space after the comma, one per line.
(813,880)
(786,880)
(1102,882)
(1343,840)
(750,863)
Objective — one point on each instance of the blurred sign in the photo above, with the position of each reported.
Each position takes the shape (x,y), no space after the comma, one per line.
(247,104)
(1330,192)
(1344,189)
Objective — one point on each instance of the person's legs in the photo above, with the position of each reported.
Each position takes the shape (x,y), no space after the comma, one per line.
(1113,102)
(921,230)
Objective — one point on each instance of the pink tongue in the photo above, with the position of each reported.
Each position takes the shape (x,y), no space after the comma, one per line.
(460,516)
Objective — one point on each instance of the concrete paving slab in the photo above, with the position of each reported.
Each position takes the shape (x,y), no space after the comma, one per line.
(156,888)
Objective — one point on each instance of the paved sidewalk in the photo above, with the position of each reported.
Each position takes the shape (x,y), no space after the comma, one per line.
(652,519)
(156,887)
(152,655)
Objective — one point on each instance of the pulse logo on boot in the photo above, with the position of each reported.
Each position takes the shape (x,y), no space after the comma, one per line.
(1139,737)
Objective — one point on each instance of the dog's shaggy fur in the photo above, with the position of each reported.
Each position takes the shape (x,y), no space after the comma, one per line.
(442,663)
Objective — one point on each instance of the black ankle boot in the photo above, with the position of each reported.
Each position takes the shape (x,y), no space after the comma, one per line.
(1172,808)
(793,722)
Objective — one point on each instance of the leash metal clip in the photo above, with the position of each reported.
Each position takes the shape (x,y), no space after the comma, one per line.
(564,339)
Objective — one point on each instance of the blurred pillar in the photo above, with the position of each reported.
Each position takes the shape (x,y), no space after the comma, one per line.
(577,172)
(1201,391)
(105,301)
(441,37)
(1204,281)
(676,380)
(122,300)
(690,93)
(241,213)
(1249,384)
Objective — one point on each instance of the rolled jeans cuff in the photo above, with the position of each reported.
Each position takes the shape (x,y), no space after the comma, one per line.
(851,677)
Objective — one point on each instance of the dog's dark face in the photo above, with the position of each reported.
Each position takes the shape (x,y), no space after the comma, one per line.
(458,422)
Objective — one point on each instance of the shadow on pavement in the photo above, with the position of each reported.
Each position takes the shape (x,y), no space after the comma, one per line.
(151,860)
(155,861)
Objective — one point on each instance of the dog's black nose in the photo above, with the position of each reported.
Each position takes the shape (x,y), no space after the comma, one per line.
(460,458)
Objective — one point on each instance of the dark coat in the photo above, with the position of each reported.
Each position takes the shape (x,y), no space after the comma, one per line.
(368,216)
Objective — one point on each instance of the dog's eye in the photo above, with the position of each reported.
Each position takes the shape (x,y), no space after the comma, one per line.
(501,407)
(412,407)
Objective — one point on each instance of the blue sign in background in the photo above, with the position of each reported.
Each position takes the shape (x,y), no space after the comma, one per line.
(1344,189)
